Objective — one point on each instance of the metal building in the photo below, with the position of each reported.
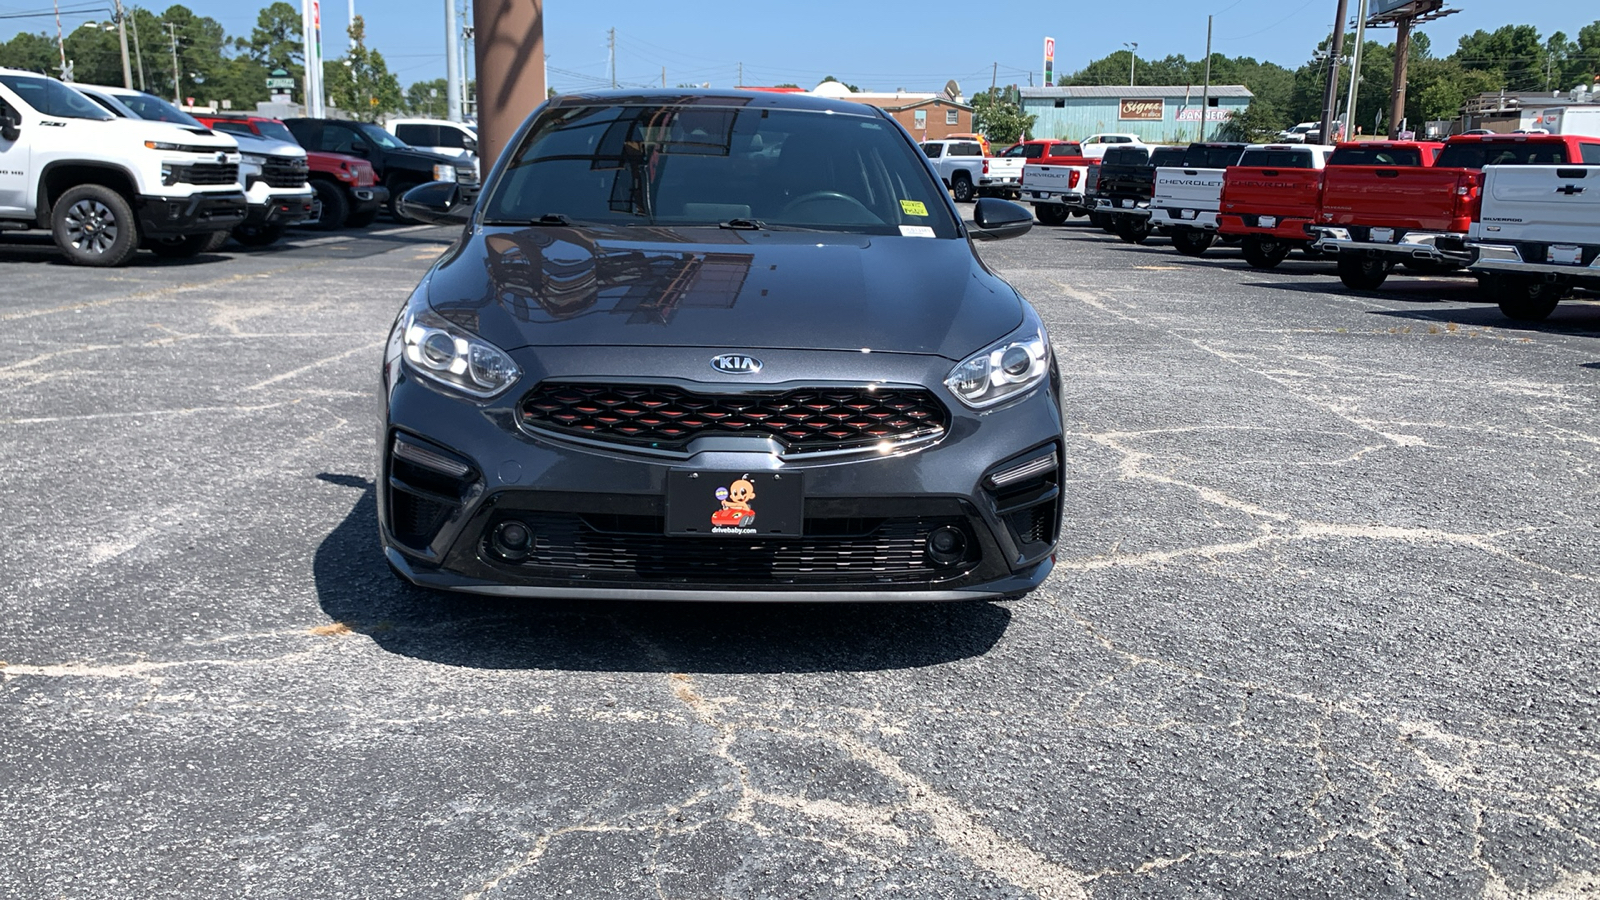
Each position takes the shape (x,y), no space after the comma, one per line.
(1157,114)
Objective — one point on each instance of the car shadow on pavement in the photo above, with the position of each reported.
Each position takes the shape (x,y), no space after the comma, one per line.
(1569,319)
(356,588)
(1400,290)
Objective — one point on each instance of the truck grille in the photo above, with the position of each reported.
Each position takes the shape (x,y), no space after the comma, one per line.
(207,173)
(806,420)
(285,172)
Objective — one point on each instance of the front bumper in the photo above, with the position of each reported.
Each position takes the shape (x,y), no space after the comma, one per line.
(198,212)
(1440,247)
(368,198)
(1510,259)
(282,209)
(599,511)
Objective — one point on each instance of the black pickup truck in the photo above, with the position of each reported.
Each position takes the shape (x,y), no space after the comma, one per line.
(400,166)
(1126,184)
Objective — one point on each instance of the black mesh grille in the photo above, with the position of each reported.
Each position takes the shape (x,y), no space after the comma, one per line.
(207,173)
(284,172)
(632,547)
(805,420)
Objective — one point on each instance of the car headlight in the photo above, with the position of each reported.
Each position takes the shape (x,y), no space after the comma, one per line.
(252,159)
(1005,370)
(166,145)
(437,349)
(444,173)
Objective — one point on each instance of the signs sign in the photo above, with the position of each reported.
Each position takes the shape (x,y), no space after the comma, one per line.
(1049,60)
(1192,114)
(1142,110)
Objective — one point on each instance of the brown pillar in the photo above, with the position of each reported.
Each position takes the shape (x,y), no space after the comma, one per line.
(509,35)
(1402,49)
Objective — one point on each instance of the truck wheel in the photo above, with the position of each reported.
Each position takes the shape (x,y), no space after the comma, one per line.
(94,226)
(184,247)
(961,187)
(397,191)
(1192,243)
(1264,253)
(1363,273)
(218,239)
(335,208)
(1134,231)
(1531,301)
(258,235)
(1050,214)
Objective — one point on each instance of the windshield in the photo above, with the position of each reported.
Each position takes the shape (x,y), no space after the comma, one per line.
(52,98)
(1376,156)
(707,165)
(156,109)
(277,131)
(380,137)
(1167,156)
(1476,155)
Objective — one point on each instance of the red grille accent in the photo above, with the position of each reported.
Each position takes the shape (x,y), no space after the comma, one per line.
(804,420)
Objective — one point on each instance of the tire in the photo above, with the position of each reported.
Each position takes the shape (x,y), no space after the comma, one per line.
(1264,253)
(185,247)
(362,219)
(218,239)
(1051,214)
(395,193)
(1134,231)
(335,206)
(258,235)
(1363,273)
(961,188)
(1531,301)
(94,226)
(1192,243)
(1101,221)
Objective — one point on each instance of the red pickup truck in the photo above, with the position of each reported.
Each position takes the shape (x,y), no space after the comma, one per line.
(1270,197)
(346,186)
(1374,216)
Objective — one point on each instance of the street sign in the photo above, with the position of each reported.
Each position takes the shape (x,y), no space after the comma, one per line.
(283,84)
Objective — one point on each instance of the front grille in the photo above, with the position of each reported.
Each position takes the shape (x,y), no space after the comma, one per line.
(285,172)
(609,547)
(805,420)
(207,173)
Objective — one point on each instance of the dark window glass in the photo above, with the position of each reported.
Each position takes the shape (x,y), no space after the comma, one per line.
(1277,159)
(933,150)
(1591,154)
(1066,150)
(701,165)
(1128,156)
(1476,155)
(53,98)
(1376,156)
(418,135)
(1021,150)
(276,131)
(450,138)
(1167,156)
(966,149)
(1061,104)
(232,127)
(1203,157)
(156,109)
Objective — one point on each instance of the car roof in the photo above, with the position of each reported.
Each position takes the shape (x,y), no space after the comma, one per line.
(718,97)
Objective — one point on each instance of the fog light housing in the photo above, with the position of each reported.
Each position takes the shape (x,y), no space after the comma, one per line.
(512,540)
(947,545)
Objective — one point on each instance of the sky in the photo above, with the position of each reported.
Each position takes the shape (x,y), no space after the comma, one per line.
(874,45)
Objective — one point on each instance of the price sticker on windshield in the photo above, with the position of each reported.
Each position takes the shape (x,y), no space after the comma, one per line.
(914,208)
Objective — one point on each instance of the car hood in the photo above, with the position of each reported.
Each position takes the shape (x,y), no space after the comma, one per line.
(421,157)
(723,289)
(253,143)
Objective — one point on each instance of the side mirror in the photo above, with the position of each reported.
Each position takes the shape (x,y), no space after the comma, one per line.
(470,145)
(360,149)
(10,124)
(436,203)
(999,219)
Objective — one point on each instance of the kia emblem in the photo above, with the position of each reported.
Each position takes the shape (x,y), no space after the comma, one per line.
(736,364)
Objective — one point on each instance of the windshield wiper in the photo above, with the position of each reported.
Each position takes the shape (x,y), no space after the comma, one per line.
(743,224)
(546,219)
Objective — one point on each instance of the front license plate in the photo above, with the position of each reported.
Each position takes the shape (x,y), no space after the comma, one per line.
(1187,213)
(1269,221)
(1566,254)
(735,504)
(1127,204)
(1383,235)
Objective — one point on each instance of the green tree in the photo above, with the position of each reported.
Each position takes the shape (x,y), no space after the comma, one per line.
(853,88)
(998,114)
(360,82)
(429,98)
(33,52)
(277,40)
(1514,51)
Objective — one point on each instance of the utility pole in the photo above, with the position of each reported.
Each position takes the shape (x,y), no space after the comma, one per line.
(452,65)
(122,38)
(1397,103)
(311,31)
(1133,55)
(611,48)
(663,76)
(510,69)
(1330,97)
(177,80)
(1355,72)
(1205,92)
(138,55)
(994,78)
(741,74)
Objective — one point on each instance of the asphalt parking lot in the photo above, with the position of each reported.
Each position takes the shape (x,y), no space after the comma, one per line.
(1325,622)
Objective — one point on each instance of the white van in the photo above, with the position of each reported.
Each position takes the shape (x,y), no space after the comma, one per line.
(438,136)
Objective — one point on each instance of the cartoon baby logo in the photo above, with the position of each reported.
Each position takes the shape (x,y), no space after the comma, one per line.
(736,511)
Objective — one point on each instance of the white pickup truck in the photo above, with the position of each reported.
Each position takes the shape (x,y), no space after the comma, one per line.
(1055,191)
(1187,198)
(1537,236)
(968,173)
(106,186)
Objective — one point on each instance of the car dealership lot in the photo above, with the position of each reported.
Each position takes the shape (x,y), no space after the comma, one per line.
(1323,623)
